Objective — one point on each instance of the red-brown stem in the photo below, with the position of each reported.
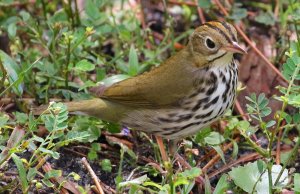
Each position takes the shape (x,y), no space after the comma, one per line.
(217,156)
(200,13)
(162,148)
(278,149)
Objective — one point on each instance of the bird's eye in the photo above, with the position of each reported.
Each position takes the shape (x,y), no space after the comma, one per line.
(209,43)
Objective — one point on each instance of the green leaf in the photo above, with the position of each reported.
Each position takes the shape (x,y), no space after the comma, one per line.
(96,146)
(245,176)
(152,184)
(294,99)
(214,138)
(237,12)
(137,181)
(253,97)
(296,183)
(114,79)
(263,185)
(202,134)
(21,171)
(266,18)
(260,98)
(133,189)
(133,67)
(235,149)
(220,152)
(250,99)
(222,185)
(3,120)
(79,136)
(113,127)
(285,157)
(59,16)
(243,125)
(100,74)
(191,173)
(31,174)
(53,154)
(13,71)
(264,103)
(265,112)
(296,118)
(205,4)
(47,183)
(106,165)
(128,151)
(181,181)
(22,118)
(52,174)
(12,30)
(270,123)
(84,65)
(188,188)
(261,165)
(92,10)
(87,84)
(207,185)
(92,155)
(25,15)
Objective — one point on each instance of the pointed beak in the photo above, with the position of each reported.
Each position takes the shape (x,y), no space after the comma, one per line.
(235,48)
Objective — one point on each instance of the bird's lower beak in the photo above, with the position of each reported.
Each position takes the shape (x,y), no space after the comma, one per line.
(235,48)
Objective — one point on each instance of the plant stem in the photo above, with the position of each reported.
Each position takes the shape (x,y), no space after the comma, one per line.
(291,155)
(257,148)
(71,16)
(67,64)
(269,166)
(78,22)
(2,69)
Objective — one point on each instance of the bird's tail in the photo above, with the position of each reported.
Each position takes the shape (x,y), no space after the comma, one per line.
(94,107)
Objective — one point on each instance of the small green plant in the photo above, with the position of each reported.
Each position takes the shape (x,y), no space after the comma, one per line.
(55,121)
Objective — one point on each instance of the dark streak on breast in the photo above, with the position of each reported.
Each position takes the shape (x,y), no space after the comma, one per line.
(199,103)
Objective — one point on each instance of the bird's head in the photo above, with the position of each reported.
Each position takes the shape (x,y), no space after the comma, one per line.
(214,41)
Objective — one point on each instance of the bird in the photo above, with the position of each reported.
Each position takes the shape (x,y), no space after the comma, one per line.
(184,94)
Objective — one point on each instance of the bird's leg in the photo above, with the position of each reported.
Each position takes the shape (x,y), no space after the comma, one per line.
(162,148)
(173,147)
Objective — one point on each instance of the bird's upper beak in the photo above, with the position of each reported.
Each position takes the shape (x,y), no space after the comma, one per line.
(235,48)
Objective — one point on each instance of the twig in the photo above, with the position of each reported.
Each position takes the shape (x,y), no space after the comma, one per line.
(161,148)
(189,3)
(200,13)
(217,157)
(92,173)
(148,45)
(248,157)
(240,110)
(276,9)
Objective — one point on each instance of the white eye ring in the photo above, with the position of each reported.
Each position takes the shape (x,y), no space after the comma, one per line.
(209,43)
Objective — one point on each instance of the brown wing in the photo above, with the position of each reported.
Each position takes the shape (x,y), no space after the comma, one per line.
(162,86)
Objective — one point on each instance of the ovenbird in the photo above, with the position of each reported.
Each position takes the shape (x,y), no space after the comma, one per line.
(185,93)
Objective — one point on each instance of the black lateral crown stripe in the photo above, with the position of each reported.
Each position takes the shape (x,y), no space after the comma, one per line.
(220,31)
(229,30)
